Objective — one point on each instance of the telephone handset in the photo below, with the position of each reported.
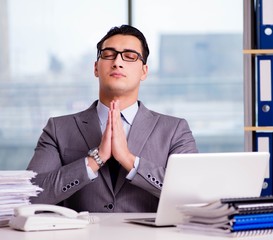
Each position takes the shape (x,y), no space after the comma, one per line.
(36,217)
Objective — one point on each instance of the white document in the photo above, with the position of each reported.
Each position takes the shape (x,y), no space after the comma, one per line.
(15,190)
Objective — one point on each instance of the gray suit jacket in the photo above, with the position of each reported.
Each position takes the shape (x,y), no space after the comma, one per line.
(59,160)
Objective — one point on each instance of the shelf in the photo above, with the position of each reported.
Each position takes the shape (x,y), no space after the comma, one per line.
(254,128)
(258,51)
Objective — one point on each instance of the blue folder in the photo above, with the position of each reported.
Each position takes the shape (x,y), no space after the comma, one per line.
(264,142)
(264,24)
(253,219)
(265,90)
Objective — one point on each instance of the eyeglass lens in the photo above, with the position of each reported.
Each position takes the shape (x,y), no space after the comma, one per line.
(110,54)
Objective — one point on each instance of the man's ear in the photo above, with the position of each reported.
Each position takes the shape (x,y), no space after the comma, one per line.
(145,72)
(96,69)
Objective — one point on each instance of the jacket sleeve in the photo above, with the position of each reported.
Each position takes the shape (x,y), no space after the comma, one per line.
(57,180)
(176,138)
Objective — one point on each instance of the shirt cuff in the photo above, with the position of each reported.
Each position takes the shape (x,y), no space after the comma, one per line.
(133,171)
(91,174)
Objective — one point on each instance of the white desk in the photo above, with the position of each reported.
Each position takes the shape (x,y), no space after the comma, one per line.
(113,227)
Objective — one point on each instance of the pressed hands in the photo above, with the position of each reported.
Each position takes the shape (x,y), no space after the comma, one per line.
(114,142)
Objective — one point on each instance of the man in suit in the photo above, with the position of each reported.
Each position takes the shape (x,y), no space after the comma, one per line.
(111,157)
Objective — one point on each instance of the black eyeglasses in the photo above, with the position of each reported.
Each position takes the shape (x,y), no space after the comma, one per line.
(126,55)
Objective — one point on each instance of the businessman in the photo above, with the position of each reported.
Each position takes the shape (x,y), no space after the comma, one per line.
(111,157)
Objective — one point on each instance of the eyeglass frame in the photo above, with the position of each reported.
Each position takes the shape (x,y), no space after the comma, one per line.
(139,56)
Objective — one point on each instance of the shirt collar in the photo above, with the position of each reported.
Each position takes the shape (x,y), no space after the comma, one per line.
(128,113)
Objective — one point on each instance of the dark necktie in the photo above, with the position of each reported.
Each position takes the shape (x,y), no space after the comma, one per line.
(114,167)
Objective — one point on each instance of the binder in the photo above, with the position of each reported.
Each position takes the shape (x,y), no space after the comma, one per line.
(264,86)
(249,219)
(259,206)
(265,24)
(224,217)
(263,143)
(264,90)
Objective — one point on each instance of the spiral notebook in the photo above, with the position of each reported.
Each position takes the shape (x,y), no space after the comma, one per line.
(205,177)
(229,217)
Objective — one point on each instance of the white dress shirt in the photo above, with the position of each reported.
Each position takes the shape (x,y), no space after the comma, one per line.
(127,117)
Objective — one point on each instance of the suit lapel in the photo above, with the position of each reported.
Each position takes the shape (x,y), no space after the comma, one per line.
(141,129)
(137,137)
(106,175)
(88,124)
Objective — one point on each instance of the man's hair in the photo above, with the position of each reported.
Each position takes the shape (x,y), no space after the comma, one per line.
(127,30)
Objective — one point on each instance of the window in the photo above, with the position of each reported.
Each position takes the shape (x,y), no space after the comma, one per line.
(196,67)
(51,52)
(48,48)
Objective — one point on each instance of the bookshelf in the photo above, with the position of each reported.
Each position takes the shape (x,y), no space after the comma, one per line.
(258,82)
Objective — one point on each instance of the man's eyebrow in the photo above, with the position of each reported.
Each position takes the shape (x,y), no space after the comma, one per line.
(131,50)
(108,48)
(125,49)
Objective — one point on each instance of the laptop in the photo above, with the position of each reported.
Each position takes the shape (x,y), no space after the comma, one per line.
(206,177)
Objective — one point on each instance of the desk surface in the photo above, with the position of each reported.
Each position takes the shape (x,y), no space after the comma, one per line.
(113,226)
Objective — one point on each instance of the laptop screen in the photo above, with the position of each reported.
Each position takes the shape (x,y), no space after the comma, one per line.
(205,177)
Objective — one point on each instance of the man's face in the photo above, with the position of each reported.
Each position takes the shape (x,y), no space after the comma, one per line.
(118,77)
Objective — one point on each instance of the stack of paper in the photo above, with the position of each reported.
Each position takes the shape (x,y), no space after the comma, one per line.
(230,217)
(15,190)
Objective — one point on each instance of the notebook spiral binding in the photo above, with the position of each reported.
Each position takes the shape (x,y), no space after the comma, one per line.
(252,233)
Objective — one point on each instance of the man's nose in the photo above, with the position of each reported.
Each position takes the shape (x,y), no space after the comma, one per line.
(118,61)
